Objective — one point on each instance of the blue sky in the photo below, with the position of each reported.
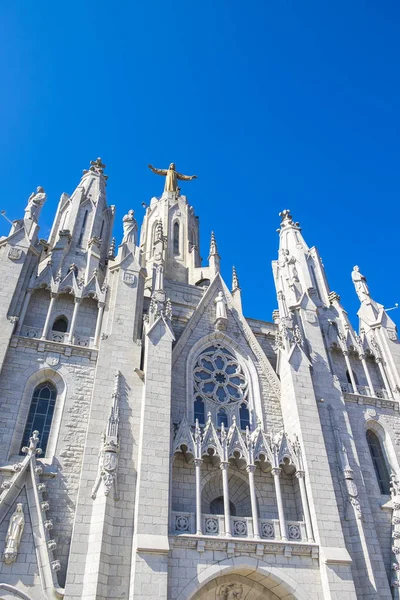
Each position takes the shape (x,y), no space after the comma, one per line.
(273,104)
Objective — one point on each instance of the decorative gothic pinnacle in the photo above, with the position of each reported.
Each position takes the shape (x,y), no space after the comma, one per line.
(213,245)
(235,280)
(159,234)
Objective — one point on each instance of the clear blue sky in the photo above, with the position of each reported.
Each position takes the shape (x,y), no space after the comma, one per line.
(273,104)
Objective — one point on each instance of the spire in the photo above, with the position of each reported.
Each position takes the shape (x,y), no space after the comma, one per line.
(235,280)
(213,246)
(214,258)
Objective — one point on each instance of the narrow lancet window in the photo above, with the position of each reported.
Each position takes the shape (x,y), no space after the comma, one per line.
(222,417)
(379,462)
(199,411)
(244,416)
(176,238)
(40,414)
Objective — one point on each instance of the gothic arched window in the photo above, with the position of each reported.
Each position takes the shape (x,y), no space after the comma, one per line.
(40,414)
(199,412)
(217,507)
(221,384)
(60,324)
(176,238)
(379,462)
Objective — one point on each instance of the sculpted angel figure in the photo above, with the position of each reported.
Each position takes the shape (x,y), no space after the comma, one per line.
(35,203)
(171,177)
(14,534)
(360,283)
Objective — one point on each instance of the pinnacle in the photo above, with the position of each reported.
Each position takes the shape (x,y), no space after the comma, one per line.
(235,280)
(213,245)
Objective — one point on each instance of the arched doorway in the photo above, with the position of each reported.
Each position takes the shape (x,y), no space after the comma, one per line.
(239,578)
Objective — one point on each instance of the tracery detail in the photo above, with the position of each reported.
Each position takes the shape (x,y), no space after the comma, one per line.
(219,381)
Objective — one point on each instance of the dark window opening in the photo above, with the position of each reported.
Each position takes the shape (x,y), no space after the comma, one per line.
(60,324)
(217,507)
(379,462)
(176,239)
(199,411)
(222,417)
(244,416)
(83,228)
(40,414)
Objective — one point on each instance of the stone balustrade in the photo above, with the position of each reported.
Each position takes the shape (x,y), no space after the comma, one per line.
(57,336)
(214,525)
(364,390)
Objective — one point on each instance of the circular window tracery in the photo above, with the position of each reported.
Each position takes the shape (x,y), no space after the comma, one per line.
(219,377)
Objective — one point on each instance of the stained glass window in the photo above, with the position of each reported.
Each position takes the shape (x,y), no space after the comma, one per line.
(220,383)
(379,462)
(40,414)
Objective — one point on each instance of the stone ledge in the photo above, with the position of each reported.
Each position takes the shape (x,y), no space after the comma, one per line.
(371,401)
(335,556)
(151,543)
(234,544)
(58,347)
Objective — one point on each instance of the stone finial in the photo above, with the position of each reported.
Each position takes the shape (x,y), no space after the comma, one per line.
(97,166)
(333,297)
(235,280)
(287,219)
(213,245)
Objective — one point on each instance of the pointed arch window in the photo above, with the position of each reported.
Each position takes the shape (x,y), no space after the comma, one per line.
(217,507)
(222,418)
(60,324)
(244,416)
(199,412)
(379,461)
(176,239)
(40,414)
(83,228)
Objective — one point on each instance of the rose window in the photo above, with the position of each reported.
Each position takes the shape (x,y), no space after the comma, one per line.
(219,377)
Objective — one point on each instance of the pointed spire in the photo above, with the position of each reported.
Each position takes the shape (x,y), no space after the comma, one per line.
(213,245)
(235,280)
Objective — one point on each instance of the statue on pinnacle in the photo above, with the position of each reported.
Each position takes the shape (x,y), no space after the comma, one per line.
(171,177)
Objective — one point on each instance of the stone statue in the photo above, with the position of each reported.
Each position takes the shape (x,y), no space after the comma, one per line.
(35,203)
(360,283)
(130,228)
(220,307)
(14,534)
(171,177)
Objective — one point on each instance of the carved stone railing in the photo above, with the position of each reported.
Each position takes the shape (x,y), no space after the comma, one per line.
(364,390)
(31,332)
(241,527)
(58,336)
(83,340)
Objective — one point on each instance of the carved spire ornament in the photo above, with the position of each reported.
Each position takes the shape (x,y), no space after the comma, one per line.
(235,280)
(97,166)
(213,245)
(108,455)
(395,493)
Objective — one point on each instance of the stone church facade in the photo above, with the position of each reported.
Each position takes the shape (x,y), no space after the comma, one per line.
(157,444)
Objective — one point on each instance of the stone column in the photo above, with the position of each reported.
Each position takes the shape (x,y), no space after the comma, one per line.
(225,487)
(99,322)
(384,376)
(49,314)
(197,462)
(254,512)
(73,321)
(304,502)
(350,370)
(276,473)
(367,375)
(24,308)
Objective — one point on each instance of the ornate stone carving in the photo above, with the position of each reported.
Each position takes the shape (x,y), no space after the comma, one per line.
(108,455)
(230,591)
(14,253)
(130,228)
(14,535)
(129,278)
(360,283)
(35,203)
